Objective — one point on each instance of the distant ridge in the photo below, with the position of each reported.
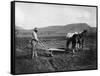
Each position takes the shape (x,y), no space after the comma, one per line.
(67,28)
(59,30)
(18,28)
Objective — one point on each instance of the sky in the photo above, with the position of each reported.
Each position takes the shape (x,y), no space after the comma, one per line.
(30,15)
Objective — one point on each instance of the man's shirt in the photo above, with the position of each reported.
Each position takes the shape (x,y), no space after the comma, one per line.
(34,34)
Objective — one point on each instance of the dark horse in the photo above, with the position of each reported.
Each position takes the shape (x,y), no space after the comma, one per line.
(81,38)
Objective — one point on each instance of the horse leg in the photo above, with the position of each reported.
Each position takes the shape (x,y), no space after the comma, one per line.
(82,43)
(73,46)
(67,44)
(77,46)
(73,51)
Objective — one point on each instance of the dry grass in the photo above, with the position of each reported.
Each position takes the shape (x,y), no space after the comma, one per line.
(61,61)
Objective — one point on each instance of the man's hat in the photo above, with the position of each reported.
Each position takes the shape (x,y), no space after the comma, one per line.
(35,29)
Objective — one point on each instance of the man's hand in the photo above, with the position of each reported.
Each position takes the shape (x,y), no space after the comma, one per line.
(37,40)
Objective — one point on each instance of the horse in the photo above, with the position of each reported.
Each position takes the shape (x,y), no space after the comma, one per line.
(81,38)
(72,38)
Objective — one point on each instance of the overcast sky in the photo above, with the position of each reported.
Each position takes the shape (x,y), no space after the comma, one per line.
(30,15)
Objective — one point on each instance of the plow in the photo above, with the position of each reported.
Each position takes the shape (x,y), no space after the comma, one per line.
(50,50)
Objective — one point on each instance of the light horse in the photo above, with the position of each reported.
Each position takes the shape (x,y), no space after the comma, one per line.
(72,38)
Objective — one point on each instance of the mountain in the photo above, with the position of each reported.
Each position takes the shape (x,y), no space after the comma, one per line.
(18,28)
(60,30)
(76,27)
(21,30)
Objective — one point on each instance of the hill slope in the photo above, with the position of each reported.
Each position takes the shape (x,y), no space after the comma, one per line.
(59,30)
